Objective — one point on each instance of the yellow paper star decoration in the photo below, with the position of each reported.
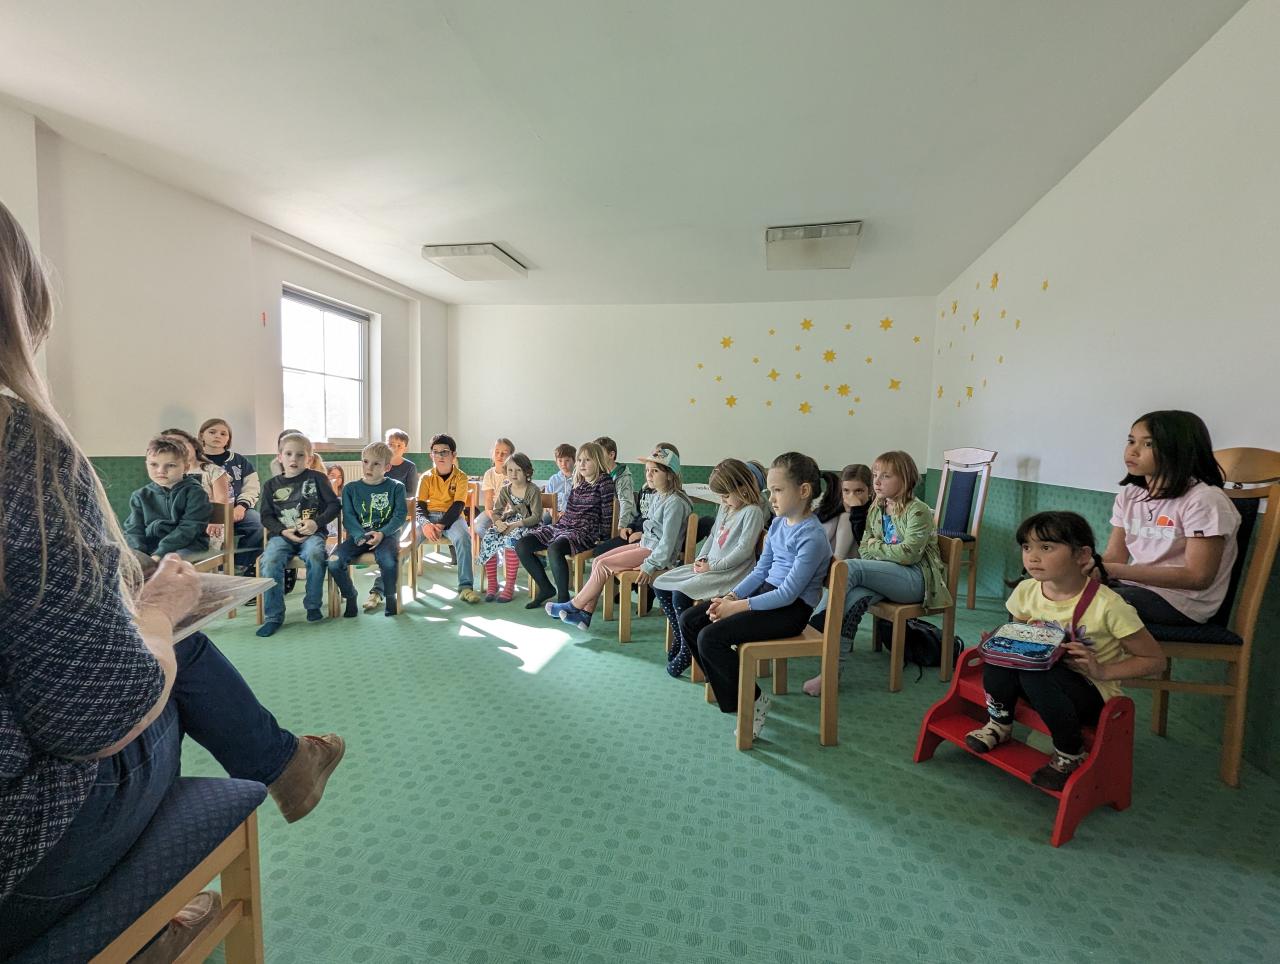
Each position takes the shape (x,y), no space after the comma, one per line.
(868,359)
(976,315)
(939,391)
(773,374)
(1003,312)
(731,400)
(807,325)
(842,391)
(773,331)
(719,378)
(755,360)
(1045,285)
(693,401)
(968,391)
(895,384)
(886,323)
(829,356)
(984,383)
(850,411)
(768,403)
(699,366)
(857,399)
(798,376)
(805,408)
(1017,323)
(995,281)
(999,359)
(826,388)
(954,306)
(915,340)
(848,326)
(726,342)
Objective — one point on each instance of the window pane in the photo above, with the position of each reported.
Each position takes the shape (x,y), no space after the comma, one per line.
(301,336)
(342,400)
(341,346)
(304,404)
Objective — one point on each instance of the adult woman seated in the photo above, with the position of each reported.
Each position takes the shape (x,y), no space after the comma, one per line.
(1173,536)
(94,695)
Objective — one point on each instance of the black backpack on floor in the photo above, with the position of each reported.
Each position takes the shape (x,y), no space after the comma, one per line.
(923,645)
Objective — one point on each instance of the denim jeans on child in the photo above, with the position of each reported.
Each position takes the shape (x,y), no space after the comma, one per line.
(459,537)
(212,704)
(248,539)
(386,554)
(274,558)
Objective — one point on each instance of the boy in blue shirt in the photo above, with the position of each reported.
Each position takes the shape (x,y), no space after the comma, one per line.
(373,514)
(562,481)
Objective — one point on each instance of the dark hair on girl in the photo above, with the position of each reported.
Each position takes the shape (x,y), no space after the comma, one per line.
(801,470)
(857,472)
(1183,453)
(832,504)
(1067,528)
(182,433)
(525,464)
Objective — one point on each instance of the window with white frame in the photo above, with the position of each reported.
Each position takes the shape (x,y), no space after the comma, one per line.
(323,353)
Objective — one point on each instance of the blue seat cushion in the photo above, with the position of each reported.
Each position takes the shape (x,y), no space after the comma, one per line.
(1210,634)
(962,536)
(196,815)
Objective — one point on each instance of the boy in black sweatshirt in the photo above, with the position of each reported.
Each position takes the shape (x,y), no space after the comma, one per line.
(296,506)
(171,512)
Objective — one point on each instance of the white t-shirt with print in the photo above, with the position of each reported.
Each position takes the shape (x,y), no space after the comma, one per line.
(1156,534)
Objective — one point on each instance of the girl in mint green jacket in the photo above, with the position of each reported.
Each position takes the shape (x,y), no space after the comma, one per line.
(899,552)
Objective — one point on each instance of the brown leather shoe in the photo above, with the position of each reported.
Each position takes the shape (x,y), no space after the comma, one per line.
(298,790)
(199,914)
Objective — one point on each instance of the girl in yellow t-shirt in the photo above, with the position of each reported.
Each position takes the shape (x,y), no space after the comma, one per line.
(1109,643)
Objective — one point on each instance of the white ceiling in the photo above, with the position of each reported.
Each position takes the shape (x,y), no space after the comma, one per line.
(627,152)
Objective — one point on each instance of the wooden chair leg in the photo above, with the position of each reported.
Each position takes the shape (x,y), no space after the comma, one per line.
(625,582)
(669,638)
(746,703)
(609,586)
(829,701)
(710,693)
(579,572)
(643,601)
(1233,727)
(240,881)
(695,673)
(947,666)
(973,573)
(895,655)
(1160,704)
(779,677)
(763,668)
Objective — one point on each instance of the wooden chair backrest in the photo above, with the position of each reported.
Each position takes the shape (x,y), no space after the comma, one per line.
(837,578)
(1253,475)
(951,551)
(551,502)
(690,538)
(613,525)
(967,461)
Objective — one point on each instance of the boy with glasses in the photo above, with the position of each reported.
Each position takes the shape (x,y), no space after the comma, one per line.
(442,495)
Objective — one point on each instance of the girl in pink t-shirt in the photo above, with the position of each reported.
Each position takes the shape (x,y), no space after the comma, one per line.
(1173,536)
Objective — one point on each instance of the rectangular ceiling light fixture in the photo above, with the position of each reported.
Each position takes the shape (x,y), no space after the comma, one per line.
(475,262)
(802,247)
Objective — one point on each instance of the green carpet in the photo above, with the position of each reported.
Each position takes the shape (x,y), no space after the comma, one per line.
(513,793)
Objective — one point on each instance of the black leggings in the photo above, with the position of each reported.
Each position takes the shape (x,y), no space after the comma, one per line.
(1065,700)
(711,642)
(558,551)
(1153,609)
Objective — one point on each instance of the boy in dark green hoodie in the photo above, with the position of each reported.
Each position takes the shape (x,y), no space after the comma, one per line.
(171,512)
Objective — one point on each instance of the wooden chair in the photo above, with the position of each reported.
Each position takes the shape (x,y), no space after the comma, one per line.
(205,828)
(810,642)
(899,613)
(225,558)
(627,579)
(1228,639)
(959,512)
(407,557)
(1105,777)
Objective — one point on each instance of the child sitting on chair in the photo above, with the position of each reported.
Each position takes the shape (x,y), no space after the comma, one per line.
(516,509)
(442,495)
(373,512)
(656,551)
(297,506)
(1106,644)
(562,480)
(171,512)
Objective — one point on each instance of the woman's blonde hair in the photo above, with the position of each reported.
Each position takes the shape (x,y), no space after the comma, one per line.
(903,466)
(732,477)
(26,315)
(596,452)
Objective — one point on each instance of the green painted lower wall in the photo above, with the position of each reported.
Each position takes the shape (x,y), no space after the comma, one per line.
(1009,501)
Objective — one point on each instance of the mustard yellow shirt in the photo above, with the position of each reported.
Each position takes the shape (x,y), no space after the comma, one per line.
(1108,620)
(440,494)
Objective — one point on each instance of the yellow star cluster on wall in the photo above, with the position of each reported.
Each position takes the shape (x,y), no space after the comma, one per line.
(805,408)
(842,390)
(828,356)
(726,342)
(886,323)
(895,384)
(915,339)
(868,359)
(773,374)
(995,281)
(731,400)
(806,325)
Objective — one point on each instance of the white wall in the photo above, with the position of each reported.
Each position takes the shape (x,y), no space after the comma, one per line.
(1161,251)
(151,279)
(18,188)
(544,375)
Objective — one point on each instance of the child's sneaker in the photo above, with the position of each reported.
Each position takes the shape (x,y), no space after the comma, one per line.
(351,610)
(1054,774)
(469,596)
(314,615)
(269,628)
(373,603)
(554,609)
(577,618)
(987,738)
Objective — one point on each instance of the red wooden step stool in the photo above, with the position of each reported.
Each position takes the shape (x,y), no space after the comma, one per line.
(1105,777)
